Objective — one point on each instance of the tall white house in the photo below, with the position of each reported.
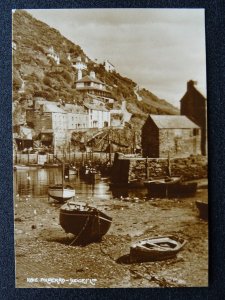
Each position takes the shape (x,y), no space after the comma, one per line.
(109,67)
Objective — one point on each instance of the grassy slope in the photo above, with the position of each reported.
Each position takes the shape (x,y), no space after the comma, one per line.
(45,79)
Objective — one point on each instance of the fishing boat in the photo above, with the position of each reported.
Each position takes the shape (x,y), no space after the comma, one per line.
(50,165)
(203,209)
(25,167)
(156,248)
(87,223)
(182,189)
(89,173)
(129,185)
(160,187)
(61,192)
(73,170)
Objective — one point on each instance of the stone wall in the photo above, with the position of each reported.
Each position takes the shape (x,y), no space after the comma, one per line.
(193,167)
(179,142)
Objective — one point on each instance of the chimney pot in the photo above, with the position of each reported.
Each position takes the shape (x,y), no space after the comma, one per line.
(191,84)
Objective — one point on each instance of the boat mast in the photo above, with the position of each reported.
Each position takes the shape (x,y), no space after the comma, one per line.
(169,166)
(63,172)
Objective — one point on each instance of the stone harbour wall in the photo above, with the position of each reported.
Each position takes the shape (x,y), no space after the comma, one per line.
(193,167)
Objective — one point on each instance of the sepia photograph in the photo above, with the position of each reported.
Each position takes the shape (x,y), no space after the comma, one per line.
(110,148)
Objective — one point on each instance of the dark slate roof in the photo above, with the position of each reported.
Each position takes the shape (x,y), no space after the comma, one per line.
(89,78)
(173,122)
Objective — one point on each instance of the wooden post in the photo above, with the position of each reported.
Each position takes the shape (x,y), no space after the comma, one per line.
(147,170)
(69,152)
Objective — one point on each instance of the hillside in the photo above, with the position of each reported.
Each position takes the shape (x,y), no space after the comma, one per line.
(40,76)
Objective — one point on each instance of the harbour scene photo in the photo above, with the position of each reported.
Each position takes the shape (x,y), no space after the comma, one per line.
(110,181)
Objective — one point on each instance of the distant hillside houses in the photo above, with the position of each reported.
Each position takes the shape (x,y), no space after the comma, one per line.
(53,122)
(78,64)
(109,67)
(51,53)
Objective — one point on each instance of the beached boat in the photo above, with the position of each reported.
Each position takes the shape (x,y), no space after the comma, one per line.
(132,184)
(160,187)
(87,223)
(170,187)
(182,189)
(203,209)
(61,192)
(156,248)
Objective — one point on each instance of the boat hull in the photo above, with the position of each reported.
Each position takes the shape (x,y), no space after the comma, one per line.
(138,253)
(203,209)
(73,171)
(86,225)
(171,189)
(60,194)
(26,167)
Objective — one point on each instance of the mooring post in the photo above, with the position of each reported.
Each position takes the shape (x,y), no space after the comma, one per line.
(147,170)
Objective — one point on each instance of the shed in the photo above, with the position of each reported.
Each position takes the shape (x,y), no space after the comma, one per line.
(175,135)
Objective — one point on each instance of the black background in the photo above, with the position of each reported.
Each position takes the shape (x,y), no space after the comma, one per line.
(215,54)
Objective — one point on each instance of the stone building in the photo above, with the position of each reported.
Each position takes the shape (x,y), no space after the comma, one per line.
(98,115)
(109,67)
(164,135)
(77,116)
(193,105)
(92,85)
(49,121)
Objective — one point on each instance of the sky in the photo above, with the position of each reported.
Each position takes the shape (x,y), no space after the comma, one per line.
(160,49)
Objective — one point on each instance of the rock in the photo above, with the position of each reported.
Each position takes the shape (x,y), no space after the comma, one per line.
(18,220)
(33,227)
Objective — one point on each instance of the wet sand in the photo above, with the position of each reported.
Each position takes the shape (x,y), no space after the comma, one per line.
(45,258)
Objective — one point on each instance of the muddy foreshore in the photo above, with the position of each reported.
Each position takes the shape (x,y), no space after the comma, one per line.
(45,258)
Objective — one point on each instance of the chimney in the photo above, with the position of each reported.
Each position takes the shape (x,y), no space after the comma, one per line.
(79,74)
(92,74)
(123,106)
(191,84)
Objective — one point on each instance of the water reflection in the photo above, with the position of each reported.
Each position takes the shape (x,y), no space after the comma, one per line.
(35,183)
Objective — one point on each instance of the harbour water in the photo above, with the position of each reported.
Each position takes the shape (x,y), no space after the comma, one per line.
(35,183)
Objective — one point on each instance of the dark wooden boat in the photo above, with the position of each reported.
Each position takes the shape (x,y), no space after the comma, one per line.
(86,222)
(129,185)
(105,170)
(156,248)
(203,209)
(182,189)
(160,187)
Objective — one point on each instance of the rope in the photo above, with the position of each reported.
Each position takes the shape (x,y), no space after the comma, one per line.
(76,238)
